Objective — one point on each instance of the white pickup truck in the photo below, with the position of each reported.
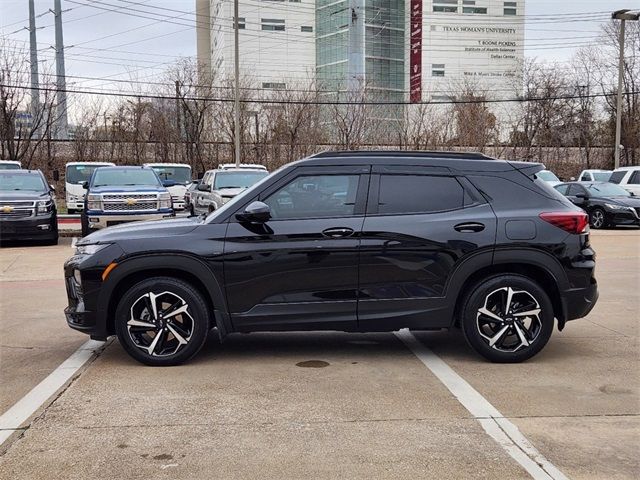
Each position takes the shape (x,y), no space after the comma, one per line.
(177,178)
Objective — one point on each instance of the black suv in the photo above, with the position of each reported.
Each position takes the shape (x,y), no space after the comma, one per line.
(27,207)
(351,241)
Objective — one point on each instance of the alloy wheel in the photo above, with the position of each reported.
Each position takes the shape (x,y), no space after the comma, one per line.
(509,320)
(160,324)
(597,219)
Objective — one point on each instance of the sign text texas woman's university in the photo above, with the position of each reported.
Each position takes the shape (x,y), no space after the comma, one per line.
(415,57)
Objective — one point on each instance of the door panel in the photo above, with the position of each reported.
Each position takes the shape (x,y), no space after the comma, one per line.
(407,260)
(299,273)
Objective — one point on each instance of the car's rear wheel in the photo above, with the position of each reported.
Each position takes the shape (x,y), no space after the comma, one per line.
(597,218)
(507,318)
(162,321)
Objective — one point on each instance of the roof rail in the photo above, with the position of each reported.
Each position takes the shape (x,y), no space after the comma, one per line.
(403,153)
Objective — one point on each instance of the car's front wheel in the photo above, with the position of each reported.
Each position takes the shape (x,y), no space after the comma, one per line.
(507,318)
(597,218)
(162,321)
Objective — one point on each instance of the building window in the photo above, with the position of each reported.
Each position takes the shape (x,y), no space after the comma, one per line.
(241,23)
(475,10)
(510,8)
(274,85)
(437,70)
(306,29)
(445,6)
(294,1)
(468,2)
(273,24)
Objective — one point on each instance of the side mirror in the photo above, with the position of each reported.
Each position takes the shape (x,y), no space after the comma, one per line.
(56,175)
(53,189)
(204,187)
(85,185)
(582,196)
(256,212)
(573,179)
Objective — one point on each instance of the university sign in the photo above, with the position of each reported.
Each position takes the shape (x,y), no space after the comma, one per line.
(415,56)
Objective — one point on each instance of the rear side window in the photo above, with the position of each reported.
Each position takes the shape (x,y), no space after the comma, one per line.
(635,178)
(616,177)
(419,194)
(562,189)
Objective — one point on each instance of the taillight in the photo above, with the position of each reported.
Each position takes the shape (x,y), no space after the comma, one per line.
(572,222)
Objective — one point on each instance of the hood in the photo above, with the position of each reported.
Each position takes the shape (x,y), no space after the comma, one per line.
(230,192)
(149,229)
(17,195)
(129,188)
(627,201)
(177,190)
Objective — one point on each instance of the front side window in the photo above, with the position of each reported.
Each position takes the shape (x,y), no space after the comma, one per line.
(635,178)
(315,196)
(419,194)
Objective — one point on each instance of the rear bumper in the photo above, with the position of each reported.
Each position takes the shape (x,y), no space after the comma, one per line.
(578,302)
(42,227)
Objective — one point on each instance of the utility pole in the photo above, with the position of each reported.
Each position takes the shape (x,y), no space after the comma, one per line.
(178,120)
(356,70)
(621,15)
(61,83)
(35,84)
(237,86)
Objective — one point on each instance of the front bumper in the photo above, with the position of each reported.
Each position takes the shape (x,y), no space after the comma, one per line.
(97,220)
(623,217)
(79,205)
(40,227)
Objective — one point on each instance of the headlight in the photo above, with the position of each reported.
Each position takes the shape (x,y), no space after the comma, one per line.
(164,200)
(91,248)
(44,206)
(94,202)
(613,206)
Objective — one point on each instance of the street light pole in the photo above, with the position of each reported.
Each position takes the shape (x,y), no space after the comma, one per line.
(237,83)
(621,15)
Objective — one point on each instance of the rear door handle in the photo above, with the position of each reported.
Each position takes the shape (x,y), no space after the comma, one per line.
(338,232)
(469,227)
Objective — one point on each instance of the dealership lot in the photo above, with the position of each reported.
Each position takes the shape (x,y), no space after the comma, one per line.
(322,405)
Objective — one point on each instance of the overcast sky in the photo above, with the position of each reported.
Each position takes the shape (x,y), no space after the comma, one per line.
(114,45)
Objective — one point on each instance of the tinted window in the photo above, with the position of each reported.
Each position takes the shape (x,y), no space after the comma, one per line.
(315,196)
(616,177)
(21,181)
(635,178)
(78,174)
(575,190)
(419,194)
(562,189)
(124,176)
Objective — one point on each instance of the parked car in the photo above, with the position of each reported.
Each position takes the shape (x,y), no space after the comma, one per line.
(628,178)
(177,178)
(221,185)
(27,207)
(594,175)
(188,194)
(76,175)
(607,204)
(10,165)
(351,241)
(118,195)
(549,177)
(242,166)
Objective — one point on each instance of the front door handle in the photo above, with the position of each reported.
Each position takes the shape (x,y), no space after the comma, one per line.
(338,232)
(469,227)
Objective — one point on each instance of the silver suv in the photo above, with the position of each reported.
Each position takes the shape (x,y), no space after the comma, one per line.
(221,185)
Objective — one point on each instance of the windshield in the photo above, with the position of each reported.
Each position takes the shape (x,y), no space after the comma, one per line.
(9,166)
(237,179)
(177,174)
(601,176)
(607,190)
(547,176)
(23,181)
(80,173)
(114,177)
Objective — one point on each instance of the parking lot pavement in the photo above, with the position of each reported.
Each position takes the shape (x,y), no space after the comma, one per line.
(250,409)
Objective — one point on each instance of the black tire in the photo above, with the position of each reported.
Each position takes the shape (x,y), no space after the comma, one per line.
(191,326)
(84,224)
(526,296)
(71,211)
(597,218)
(212,208)
(192,212)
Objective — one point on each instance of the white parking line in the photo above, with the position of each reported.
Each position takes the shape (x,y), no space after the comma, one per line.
(20,412)
(494,423)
